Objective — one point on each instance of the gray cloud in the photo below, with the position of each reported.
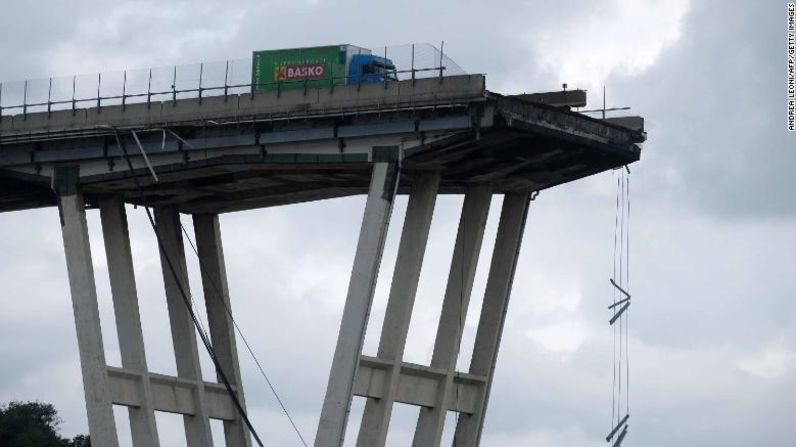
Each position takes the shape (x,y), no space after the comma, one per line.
(715,104)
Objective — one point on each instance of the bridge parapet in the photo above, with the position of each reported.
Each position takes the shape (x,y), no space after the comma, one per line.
(270,105)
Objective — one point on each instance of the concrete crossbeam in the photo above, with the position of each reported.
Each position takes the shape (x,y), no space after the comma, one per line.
(171,394)
(417,385)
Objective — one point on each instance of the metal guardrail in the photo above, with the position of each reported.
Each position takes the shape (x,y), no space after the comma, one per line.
(231,77)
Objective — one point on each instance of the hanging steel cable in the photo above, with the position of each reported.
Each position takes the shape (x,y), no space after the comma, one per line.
(219,296)
(185,297)
(621,282)
(627,285)
(620,311)
(613,275)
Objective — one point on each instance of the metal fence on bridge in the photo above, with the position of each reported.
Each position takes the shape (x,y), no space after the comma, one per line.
(231,77)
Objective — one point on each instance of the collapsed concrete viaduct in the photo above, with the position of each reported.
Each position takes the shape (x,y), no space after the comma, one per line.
(422,137)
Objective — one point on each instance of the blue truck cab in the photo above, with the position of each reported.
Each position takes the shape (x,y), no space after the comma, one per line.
(370,69)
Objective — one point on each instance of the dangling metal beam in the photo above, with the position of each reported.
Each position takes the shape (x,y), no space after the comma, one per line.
(617,428)
(619,313)
(621,437)
(627,295)
(618,303)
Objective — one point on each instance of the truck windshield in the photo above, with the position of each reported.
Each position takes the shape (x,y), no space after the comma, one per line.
(382,70)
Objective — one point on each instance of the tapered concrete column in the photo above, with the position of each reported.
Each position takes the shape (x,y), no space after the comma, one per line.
(77,249)
(454,309)
(219,316)
(197,426)
(337,403)
(493,312)
(412,248)
(143,427)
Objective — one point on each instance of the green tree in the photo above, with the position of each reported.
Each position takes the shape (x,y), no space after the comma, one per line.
(77,441)
(34,424)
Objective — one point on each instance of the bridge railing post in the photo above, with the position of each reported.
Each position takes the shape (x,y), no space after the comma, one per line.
(49,97)
(25,100)
(226,81)
(124,91)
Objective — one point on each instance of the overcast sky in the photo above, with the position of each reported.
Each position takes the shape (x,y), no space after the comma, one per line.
(713,231)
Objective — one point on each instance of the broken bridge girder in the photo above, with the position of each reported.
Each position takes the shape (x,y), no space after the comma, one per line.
(625,302)
(617,428)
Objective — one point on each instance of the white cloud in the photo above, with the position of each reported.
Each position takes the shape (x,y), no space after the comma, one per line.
(772,361)
(156,33)
(564,335)
(569,437)
(622,37)
(555,318)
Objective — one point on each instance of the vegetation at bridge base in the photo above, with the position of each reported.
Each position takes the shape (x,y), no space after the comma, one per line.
(34,424)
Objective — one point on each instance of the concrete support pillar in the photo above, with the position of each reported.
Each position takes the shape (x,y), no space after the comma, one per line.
(412,248)
(454,310)
(172,255)
(337,402)
(143,427)
(219,316)
(493,313)
(77,249)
